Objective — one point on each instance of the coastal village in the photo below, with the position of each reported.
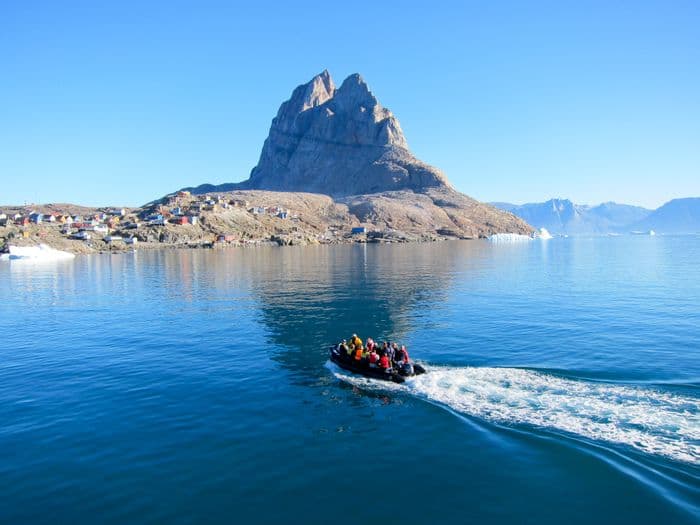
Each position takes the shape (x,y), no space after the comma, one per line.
(182,219)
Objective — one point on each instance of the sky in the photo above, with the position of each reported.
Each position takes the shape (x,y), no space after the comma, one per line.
(119,103)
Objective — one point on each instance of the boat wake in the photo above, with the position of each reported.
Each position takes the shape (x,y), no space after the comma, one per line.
(648,420)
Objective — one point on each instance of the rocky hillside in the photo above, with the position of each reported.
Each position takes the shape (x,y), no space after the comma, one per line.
(255,217)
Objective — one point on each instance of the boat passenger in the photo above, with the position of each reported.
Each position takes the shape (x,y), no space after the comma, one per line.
(385,348)
(345,348)
(359,351)
(402,356)
(354,340)
(370,344)
(384,363)
(373,358)
(391,352)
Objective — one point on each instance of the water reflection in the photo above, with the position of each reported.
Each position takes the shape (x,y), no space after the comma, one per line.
(310,298)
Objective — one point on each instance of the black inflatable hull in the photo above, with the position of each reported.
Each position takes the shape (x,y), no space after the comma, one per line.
(375,373)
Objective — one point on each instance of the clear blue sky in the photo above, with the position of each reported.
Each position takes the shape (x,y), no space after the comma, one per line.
(120,103)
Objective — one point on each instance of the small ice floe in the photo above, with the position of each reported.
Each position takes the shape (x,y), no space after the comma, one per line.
(509,238)
(36,253)
(544,234)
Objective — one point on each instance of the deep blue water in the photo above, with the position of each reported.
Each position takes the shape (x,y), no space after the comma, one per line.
(193,386)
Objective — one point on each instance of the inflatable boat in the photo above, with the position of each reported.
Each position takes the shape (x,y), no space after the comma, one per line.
(397,374)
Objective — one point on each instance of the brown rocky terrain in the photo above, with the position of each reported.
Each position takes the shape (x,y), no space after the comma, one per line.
(285,218)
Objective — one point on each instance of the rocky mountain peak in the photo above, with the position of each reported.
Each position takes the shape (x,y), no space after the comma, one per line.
(338,142)
(355,93)
(317,91)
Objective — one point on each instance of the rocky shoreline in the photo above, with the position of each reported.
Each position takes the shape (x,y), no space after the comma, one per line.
(255,217)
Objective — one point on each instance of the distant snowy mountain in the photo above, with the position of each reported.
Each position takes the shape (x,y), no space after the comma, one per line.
(561,216)
(676,216)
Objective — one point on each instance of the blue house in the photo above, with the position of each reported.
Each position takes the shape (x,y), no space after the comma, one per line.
(358,229)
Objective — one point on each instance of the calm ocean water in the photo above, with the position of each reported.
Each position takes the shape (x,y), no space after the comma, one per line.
(193,386)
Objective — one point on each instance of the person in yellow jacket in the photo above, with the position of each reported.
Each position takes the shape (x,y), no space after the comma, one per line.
(355,341)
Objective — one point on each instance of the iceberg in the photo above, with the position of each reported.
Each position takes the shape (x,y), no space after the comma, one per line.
(37,253)
(544,234)
(508,238)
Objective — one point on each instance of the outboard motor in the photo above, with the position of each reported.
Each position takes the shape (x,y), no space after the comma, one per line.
(407,369)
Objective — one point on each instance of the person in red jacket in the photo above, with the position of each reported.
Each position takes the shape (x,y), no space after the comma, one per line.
(384,362)
(373,358)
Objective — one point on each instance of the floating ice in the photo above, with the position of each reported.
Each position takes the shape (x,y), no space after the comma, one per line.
(544,234)
(39,253)
(648,420)
(507,238)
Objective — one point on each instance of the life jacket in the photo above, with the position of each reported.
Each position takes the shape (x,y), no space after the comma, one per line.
(373,357)
(358,353)
(402,355)
(384,362)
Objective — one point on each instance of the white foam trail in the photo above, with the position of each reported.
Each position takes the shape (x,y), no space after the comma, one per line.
(649,420)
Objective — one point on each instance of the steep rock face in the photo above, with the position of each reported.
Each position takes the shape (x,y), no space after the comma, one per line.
(338,142)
